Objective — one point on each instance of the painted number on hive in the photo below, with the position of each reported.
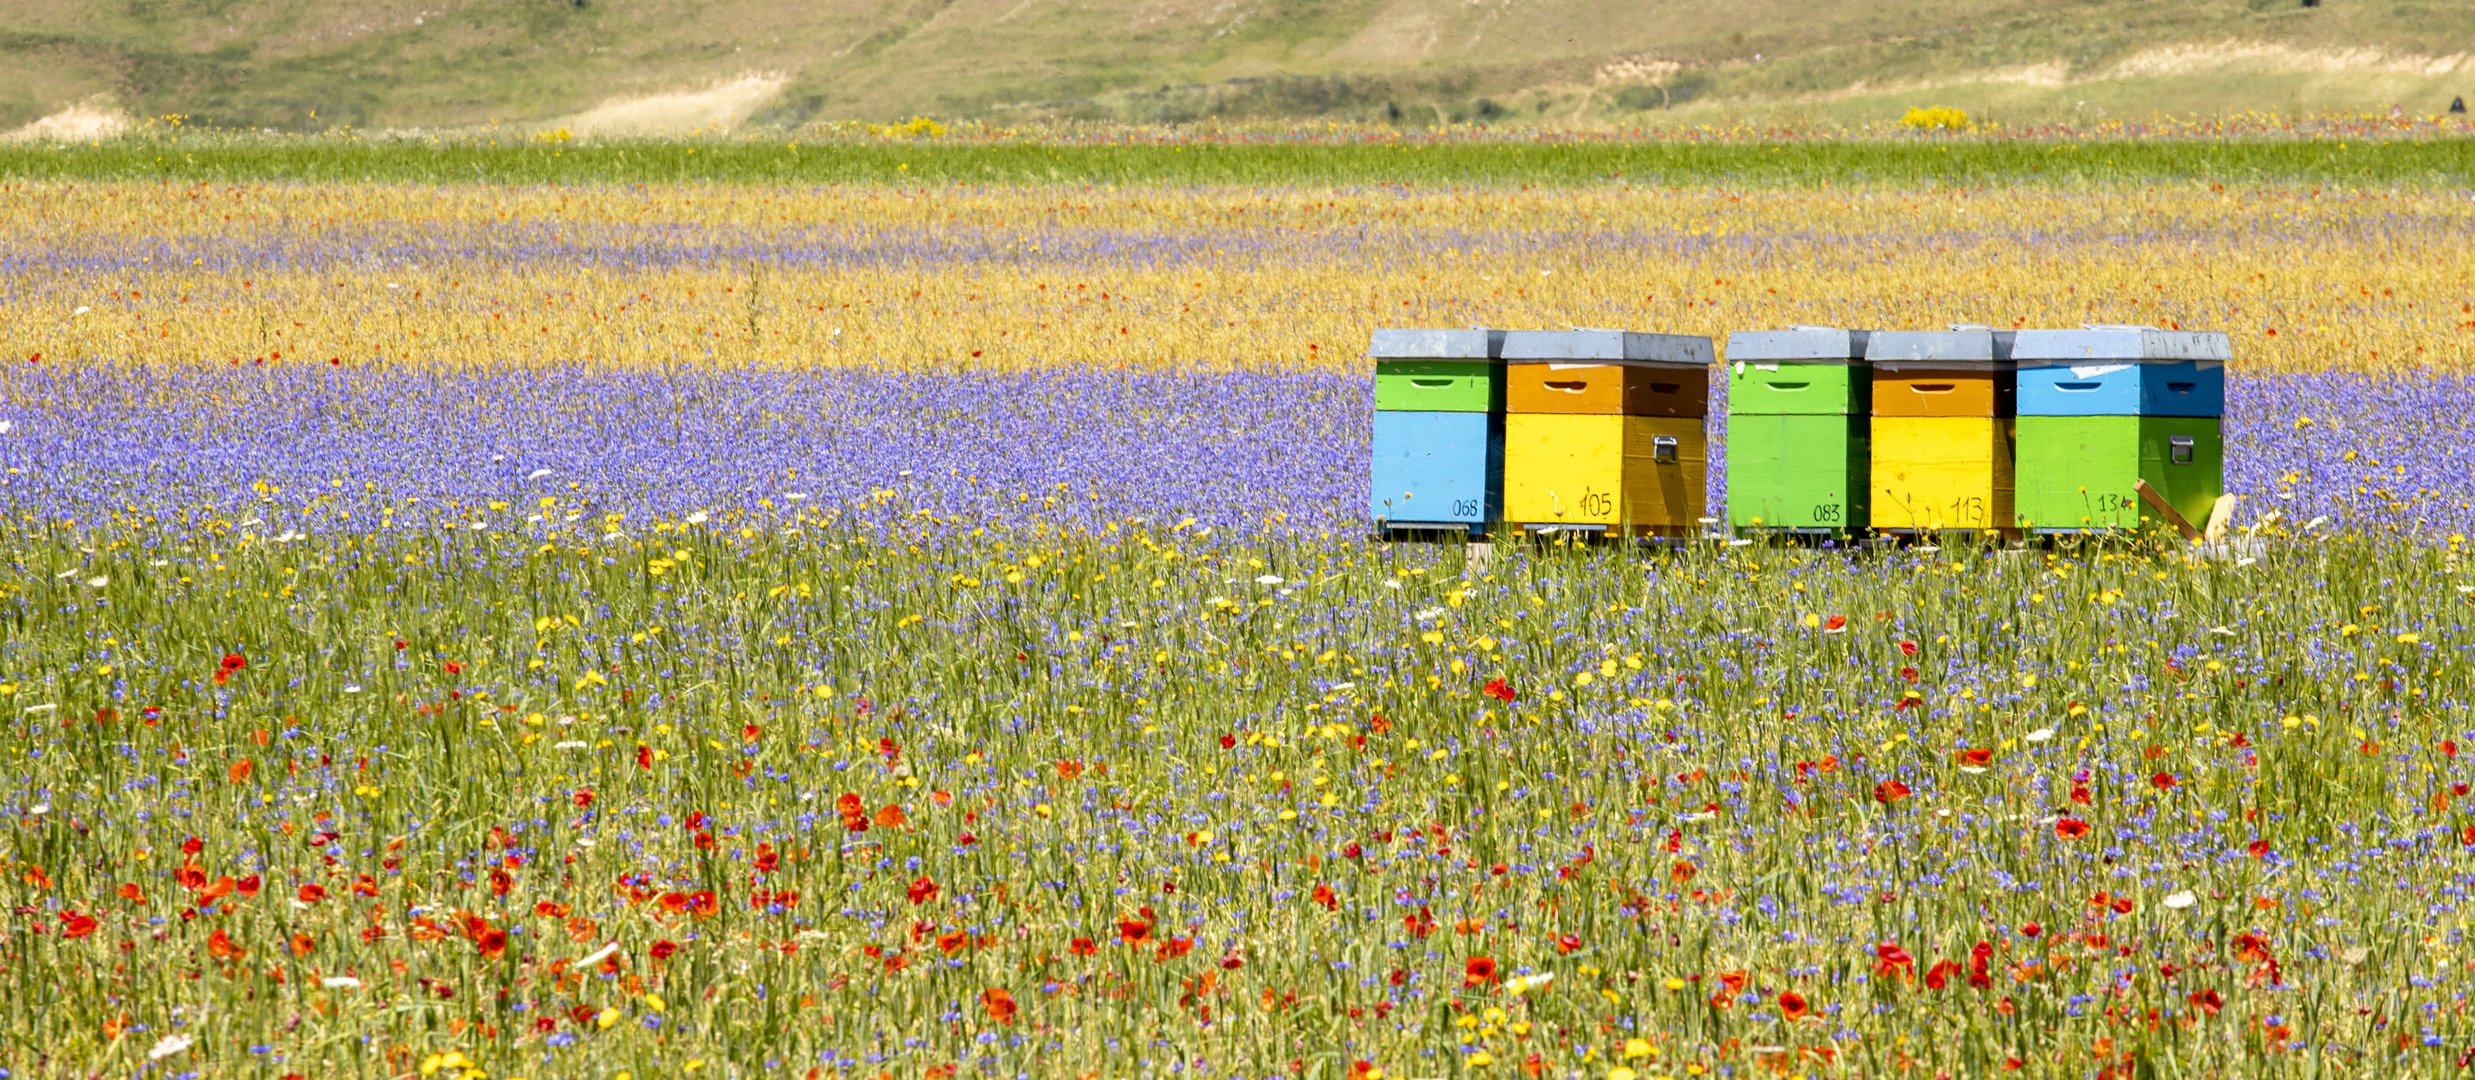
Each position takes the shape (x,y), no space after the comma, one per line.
(1598,503)
(1826,512)
(1968,508)
(1468,508)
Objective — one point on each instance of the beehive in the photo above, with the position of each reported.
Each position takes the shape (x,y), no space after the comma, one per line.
(1932,473)
(2104,406)
(1604,429)
(1798,429)
(1941,441)
(1438,441)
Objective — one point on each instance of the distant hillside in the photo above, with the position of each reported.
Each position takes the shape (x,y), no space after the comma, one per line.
(669,65)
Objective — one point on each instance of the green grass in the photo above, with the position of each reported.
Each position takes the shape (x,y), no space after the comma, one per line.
(294,65)
(1922,161)
(1686,787)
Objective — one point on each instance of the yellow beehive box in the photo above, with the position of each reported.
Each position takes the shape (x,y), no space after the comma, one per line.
(1637,473)
(1942,472)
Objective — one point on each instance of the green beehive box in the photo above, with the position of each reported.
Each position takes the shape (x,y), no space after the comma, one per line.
(1777,388)
(1439,385)
(2075,473)
(1798,472)
(1799,405)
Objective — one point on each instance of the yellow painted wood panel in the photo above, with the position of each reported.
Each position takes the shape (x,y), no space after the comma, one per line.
(1665,494)
(1929,390)
(1619,389)
(1563,468)
(1941,472)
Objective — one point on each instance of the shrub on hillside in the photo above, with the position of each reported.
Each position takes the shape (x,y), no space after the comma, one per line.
(1938,118)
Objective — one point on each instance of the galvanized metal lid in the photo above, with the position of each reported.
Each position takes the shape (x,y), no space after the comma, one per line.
(2123,343)
(1436,345)
(1607,347)
(1973,346)
(1797,344)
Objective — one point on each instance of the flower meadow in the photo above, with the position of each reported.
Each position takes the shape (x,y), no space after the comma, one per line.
(933,632)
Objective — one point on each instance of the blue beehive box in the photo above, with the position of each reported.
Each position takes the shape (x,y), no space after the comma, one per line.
(2121,371)
(1440,466)
(1438,469)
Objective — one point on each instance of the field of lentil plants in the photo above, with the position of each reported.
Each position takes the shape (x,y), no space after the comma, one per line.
(928,629)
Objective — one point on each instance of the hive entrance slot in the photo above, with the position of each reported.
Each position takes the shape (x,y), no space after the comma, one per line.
(1431,383)
(2181,387)
(1934,387)
(2077,386)
(1569,386)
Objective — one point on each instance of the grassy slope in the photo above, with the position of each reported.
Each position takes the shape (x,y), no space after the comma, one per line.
(457,62)
(2434,162)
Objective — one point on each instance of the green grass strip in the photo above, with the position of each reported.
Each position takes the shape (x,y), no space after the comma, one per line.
(2358,163)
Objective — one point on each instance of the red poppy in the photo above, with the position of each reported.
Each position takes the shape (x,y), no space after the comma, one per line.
(74,925)
(492,943)
(2259,849)
(1976,757)
(1133,931)
(1567,945)
(219,945)
(2163,781)
(1175,947)
(1500,690)
(644,756)
(311,893)
(302,944)
(952,941)
(1835,623)
(2070,828)
(1889,958)
(584,799)
(1324,895)
(2207,1001)
(2030,929)
(922,890)
(1792,1005)
(1082,946)
(1889,791)
(1939,975)
(665,949)
(192,846)
(1907,648)
(1681,872)
(234,661)
(999,1002)
(1479,971)
(130,892)
(453,668)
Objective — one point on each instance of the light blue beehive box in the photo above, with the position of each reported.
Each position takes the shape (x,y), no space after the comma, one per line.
(2122,371)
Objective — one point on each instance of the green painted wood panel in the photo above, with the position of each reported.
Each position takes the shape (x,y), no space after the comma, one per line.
(1799,389)
(1439,386)
(2076,472)
(1798,472)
